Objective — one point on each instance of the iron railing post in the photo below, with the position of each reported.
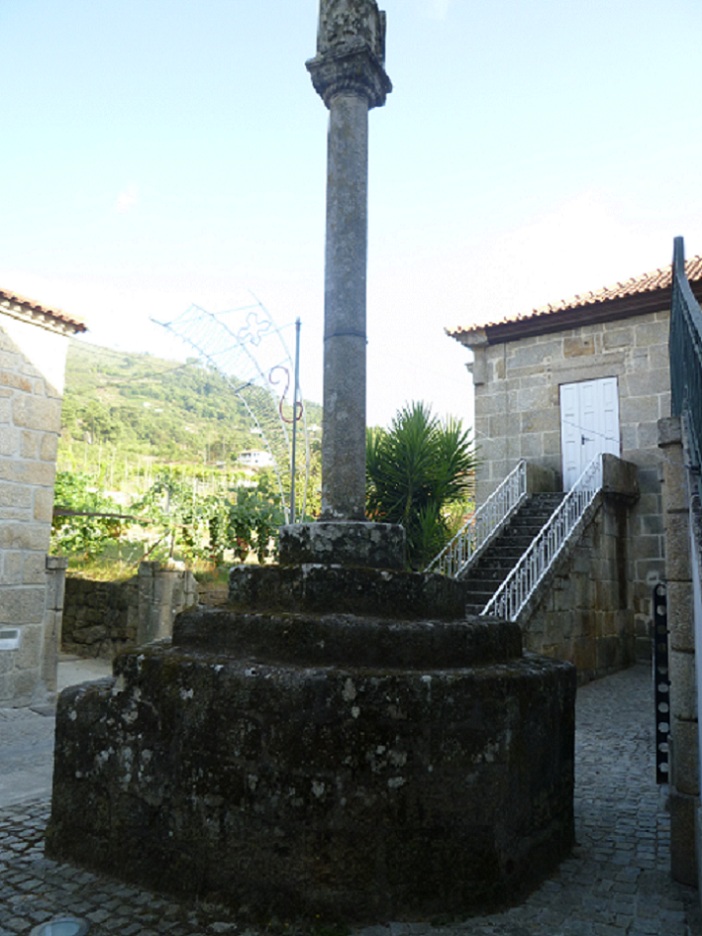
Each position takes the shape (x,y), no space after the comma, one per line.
(483,526)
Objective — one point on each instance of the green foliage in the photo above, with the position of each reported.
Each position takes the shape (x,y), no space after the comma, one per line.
(253,522)
(84,529)
(173,519)
(172,508)
(416,472)
(207,527)
(312,497)
(166,435)
(118,561)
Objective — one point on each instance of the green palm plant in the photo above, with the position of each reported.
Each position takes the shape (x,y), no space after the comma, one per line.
(415,471)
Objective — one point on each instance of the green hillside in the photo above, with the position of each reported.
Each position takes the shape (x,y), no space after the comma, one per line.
(126,415)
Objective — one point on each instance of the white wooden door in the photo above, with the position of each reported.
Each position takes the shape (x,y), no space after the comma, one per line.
(589,424)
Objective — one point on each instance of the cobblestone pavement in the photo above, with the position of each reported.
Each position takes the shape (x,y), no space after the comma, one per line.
(616,881)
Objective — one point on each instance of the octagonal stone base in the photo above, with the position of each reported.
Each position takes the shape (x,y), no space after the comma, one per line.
(311,765)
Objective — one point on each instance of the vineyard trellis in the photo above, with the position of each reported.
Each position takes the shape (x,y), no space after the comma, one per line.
(245,345)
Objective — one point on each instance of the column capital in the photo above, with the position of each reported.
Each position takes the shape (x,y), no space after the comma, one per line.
(350,55)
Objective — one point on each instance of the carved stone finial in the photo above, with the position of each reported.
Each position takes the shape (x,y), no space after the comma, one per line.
(350,51)
(344,21)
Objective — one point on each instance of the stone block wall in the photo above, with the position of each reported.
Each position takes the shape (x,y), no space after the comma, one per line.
(99,618)
(517,415)
(581,613)
(31,374)
(684,744)
(102,618)
(696,750)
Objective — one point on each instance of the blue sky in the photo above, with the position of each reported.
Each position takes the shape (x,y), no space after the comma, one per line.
(159,153)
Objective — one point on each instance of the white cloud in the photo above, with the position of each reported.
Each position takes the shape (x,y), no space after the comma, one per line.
(127,200)
(436,9)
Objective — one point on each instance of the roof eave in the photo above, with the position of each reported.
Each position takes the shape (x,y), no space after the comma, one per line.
(644,303)
(41,316)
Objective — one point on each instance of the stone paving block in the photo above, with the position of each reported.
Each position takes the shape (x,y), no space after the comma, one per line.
(131,929)
(115,924)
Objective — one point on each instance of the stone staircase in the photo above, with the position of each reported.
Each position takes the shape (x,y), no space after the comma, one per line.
(483,578)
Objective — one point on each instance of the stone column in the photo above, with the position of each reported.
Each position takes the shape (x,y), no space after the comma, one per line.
(348,73)
(163,593)
(53,614)
(683,739)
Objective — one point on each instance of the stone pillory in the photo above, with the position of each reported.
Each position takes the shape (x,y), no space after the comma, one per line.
(348,73)
(338,742)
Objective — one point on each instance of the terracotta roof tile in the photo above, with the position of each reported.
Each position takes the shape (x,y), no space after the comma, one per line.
(636,286)
(56,315)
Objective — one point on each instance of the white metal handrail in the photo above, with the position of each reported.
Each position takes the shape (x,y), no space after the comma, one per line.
(523,580)
(483,526)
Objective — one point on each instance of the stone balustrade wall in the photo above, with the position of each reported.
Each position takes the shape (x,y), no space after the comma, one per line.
(583,615)
(583,611)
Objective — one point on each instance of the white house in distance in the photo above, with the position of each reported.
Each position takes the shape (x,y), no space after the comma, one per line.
(33,346)
(255,458)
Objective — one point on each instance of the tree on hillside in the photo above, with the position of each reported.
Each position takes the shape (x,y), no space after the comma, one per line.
(416,471)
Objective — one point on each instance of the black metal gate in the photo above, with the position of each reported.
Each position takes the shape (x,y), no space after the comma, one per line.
(661,680)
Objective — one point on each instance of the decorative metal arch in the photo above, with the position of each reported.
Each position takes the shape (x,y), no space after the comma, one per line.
(249,350)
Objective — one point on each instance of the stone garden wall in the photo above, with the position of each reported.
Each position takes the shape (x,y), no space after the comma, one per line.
(102,618)
(99,618)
